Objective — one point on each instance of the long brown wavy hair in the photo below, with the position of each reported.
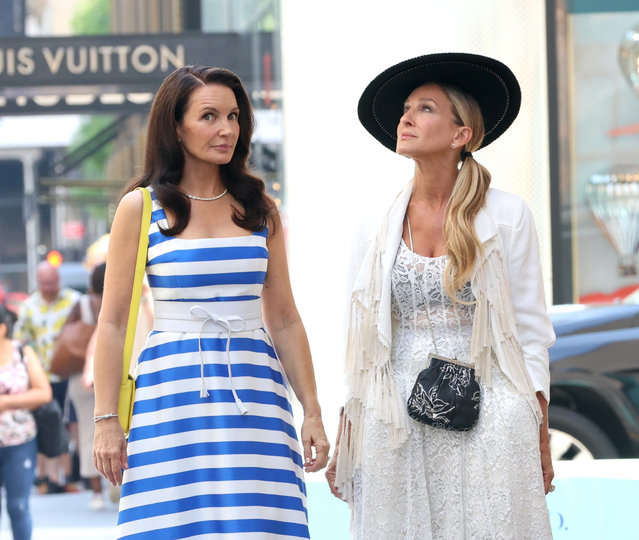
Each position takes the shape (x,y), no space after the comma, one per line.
(164,157)
(467,198)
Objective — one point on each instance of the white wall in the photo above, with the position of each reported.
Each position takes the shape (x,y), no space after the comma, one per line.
(335,171)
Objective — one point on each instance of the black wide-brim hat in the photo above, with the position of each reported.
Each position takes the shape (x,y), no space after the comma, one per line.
(490,82)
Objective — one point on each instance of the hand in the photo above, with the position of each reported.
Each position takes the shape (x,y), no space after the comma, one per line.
(109,450)
(544,448)
(330,475)
(313,436)
(546,461)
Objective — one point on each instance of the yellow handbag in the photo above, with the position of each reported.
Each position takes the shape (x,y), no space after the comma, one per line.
(127,384)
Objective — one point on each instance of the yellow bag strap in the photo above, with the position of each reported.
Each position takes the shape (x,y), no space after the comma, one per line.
(136,294)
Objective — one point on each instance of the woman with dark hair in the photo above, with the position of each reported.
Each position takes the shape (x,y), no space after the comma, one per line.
(23,386)
(212,447)
(445,431)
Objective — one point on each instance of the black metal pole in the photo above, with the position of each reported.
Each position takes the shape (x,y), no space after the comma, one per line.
(192,15)
(561,236)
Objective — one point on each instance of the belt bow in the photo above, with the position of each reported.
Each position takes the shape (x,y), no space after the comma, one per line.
(228,323)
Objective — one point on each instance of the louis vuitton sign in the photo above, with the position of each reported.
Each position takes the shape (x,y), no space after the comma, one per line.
(119,59)
(79,60)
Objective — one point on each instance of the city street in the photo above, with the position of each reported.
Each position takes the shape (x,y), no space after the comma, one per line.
(66,517)
(277,150)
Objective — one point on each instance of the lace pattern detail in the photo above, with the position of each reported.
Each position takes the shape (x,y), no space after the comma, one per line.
(482,484)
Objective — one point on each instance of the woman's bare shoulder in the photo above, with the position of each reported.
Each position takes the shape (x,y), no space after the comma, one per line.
(129,208)
(131,201)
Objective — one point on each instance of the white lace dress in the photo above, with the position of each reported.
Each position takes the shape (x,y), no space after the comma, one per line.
(481,484)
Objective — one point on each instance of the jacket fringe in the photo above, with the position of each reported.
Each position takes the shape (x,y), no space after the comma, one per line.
(368,376)
(494,335)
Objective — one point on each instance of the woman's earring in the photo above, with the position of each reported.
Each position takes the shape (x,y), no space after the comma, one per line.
(452,145)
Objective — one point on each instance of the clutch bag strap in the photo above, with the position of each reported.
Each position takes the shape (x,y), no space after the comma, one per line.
(421,292)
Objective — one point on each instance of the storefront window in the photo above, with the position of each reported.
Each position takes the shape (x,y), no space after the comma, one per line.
(260,19)
(596,164)
(240,15)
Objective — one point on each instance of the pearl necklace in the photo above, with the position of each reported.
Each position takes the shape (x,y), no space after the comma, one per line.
(206,198)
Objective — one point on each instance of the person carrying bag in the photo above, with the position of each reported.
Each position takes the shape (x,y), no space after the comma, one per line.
(71,344)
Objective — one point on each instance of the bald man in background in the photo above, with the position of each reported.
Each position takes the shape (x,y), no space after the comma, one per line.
(39,322)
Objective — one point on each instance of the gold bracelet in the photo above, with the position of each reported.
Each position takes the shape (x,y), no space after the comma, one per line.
(104,417)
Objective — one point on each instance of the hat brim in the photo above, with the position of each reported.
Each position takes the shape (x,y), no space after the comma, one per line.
(490,82)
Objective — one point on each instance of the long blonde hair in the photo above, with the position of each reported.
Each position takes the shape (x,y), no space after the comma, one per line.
(467,198)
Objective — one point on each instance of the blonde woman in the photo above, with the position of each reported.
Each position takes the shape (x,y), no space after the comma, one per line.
(453,272)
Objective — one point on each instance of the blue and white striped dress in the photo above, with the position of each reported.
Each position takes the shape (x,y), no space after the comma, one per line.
(212,450)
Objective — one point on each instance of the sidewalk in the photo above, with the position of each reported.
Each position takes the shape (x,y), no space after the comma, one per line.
(594,500)
(66,517)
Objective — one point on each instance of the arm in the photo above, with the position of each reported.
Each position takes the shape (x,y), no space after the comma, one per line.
(87,372)
(533,324)
(22,328)
(109,449)
(39,391)
(289,337)
(534,328)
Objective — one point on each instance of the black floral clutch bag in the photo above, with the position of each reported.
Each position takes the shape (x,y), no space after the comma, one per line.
(445,395)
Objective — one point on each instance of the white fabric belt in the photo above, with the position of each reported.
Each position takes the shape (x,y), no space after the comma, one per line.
(212,326)
(218,317)
(179,317)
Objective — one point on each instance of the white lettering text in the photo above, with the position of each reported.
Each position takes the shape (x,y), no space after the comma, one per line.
(53,62)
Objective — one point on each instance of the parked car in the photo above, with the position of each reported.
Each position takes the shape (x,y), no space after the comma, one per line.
(74,275)
(594,387)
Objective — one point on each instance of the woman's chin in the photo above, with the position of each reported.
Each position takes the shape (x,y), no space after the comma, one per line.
(403,151)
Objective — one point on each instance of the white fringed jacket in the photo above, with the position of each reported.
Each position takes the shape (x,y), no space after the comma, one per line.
(510,325)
